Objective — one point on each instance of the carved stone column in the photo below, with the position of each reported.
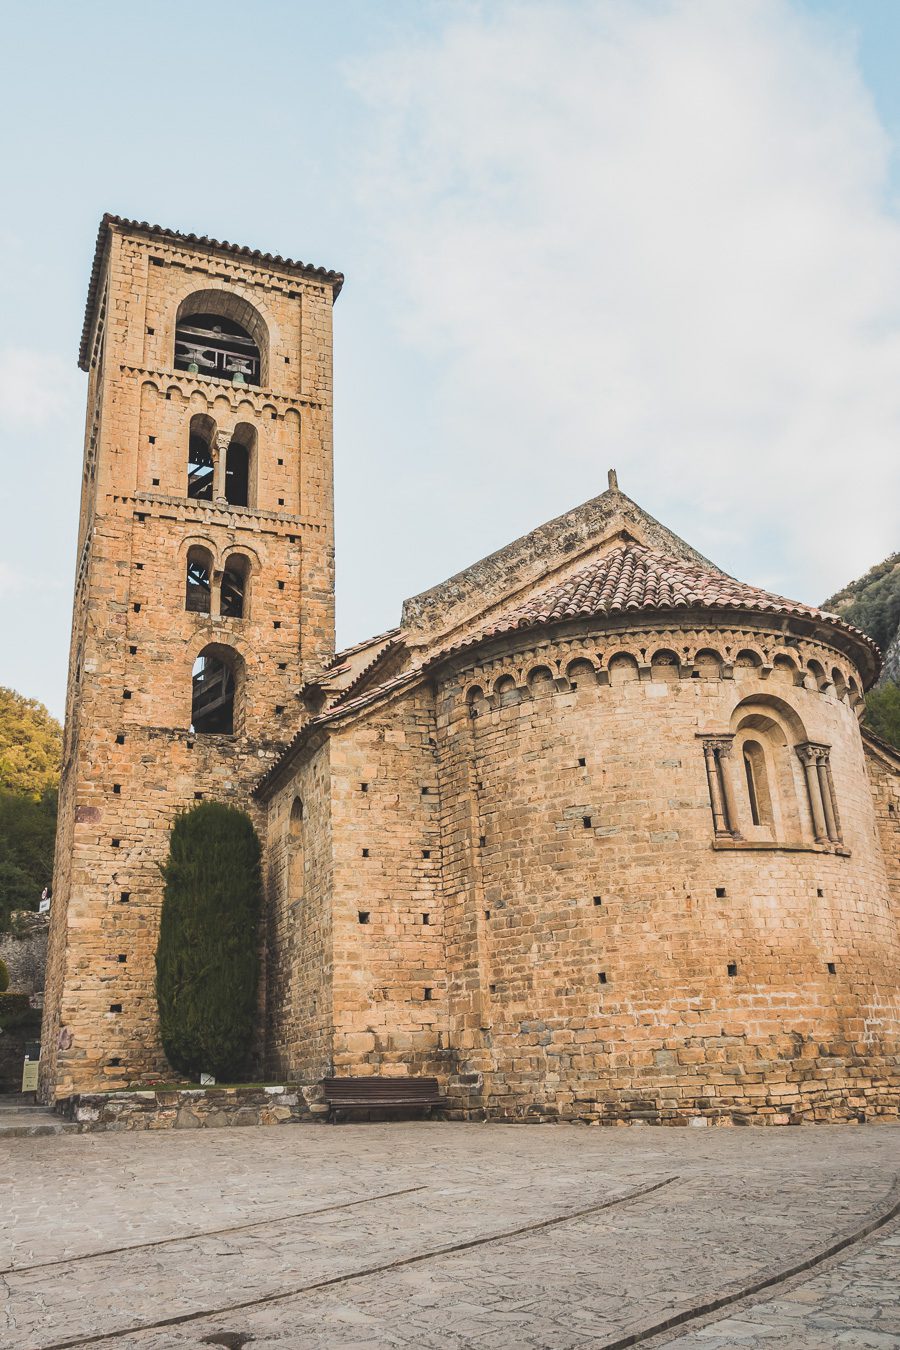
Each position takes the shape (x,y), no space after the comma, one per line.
(824,777)
(723,746)
(219,451)
(721,793)
(808,758)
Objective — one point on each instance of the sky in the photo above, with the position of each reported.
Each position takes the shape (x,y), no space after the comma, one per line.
(656,235)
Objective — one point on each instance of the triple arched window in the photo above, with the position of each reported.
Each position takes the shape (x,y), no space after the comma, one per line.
(224,594)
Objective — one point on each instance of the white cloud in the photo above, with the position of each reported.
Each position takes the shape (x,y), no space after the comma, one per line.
(655,236)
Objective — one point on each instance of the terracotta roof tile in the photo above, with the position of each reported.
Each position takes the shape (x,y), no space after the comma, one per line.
(630,578)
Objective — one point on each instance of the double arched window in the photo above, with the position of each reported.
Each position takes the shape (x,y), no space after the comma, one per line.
(221,467)
(224,594)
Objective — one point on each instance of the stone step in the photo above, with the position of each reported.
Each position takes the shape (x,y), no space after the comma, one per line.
(21,1120)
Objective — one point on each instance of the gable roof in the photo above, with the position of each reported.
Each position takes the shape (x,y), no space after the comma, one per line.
(109,221)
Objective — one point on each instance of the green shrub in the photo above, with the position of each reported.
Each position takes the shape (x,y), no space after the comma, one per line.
(207,963)
(4,976)
(883,712)
(17,1014)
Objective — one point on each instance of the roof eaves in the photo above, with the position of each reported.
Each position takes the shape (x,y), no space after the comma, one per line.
(335,279)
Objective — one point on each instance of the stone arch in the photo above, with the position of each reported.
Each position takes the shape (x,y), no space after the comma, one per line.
(748,658)
(198,578)
(217,687)
(581,673)
(840,684)
(767,731)
(622,667)
(476,702)
(296,850)
(234,592)
(243,322)
(241,468)
(819,674)
(540,681)
(785,668)
(708,664)
(505,690)
(200,461)
(665,665)
(854,693)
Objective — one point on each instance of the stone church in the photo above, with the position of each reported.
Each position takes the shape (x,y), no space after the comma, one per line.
(593,833)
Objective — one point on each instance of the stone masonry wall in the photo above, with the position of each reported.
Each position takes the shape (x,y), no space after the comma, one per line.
(129,760)
(607,958)
(883,767)
(24,950)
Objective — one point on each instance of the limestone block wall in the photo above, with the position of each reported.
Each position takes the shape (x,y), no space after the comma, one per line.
(130,762)
(358,924)
(24,950)
(883,765)
(607,955)
(300,884)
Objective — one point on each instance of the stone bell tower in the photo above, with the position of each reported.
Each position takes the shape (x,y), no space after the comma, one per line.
(204,594)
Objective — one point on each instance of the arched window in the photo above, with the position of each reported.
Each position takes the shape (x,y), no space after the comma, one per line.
(240,466)
(757,778)
(296,864)
(200,460)
(235,587)
(198,579)
(215,679)
(219,334)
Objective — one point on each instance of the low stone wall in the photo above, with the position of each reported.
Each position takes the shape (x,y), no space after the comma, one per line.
(193,1108)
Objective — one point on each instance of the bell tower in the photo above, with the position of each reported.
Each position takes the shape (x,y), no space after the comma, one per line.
(204,595)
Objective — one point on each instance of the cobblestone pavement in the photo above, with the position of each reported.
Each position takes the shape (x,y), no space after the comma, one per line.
(449,1235)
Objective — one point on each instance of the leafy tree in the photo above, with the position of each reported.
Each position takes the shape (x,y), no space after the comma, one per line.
(873,602)
(30,745)
(27,833)
(207,963)
(883,712)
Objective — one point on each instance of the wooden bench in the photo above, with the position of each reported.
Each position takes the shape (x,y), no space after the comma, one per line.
(366,1094)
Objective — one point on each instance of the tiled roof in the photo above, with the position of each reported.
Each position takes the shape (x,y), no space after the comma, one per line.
(631,578)
(336,279)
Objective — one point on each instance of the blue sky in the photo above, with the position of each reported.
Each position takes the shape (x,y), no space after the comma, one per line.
(661,236)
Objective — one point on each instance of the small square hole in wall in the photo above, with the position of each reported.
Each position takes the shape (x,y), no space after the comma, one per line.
(124,897)
(120,739)
(132,651)
(601,977)
(598,899)
(492,988)
(832,968)
(425,791)
(115,1062)
(272,416)
(426,852)
(198,796)
(117,788)
(152,440)
(363,787)
(155,484)
(820,892)
(279,709)
(150,332)
(281,585)
(292,539)
(365,853)
(282,665)
(482,840)
(720,892)
(582,762)
(427,994)
(121,958)
(281,501)
(139,567)
(287,360)
(732,967)
(426,919)
(487,913)
(190,745)
(115,843)
(137,607)
(281,461)
(586,822)
(115,1007)
(126,693)
(363,916)
(276,623)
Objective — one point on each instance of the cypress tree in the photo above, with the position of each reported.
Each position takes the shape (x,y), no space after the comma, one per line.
(207,960)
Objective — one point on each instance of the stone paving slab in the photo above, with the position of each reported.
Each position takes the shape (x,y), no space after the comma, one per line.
(266,1214)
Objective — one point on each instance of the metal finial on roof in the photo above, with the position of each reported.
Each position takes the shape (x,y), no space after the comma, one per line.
(613,479)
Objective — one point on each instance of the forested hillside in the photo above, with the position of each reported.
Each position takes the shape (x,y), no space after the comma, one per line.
(873,604)
(30,755)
